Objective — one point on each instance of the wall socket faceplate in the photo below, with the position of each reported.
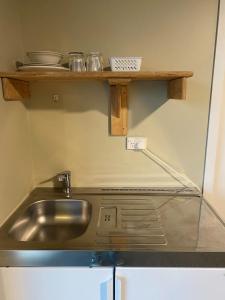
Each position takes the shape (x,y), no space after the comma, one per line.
(136,143)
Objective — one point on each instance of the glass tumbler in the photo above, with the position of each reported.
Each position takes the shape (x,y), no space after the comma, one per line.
(94,62)
(77,61)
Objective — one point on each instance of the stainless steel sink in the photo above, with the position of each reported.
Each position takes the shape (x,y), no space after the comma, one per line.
(52,220)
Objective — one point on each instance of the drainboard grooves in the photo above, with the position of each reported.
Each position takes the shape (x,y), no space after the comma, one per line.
(131,221)
(138,212)
(138,219)
(131,225)
(129,201)
(141,232)
(132,241)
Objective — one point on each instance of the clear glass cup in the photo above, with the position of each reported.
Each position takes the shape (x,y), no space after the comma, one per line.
(94,62)
(77,62)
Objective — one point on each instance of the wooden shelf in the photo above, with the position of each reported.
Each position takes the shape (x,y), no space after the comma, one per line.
(16,87)
(150,75)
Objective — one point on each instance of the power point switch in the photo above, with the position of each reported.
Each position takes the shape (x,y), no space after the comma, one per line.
(136,143)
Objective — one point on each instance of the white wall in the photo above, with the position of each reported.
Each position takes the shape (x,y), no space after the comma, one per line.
(170,35)
(73,134)
(214,183)
(15,151)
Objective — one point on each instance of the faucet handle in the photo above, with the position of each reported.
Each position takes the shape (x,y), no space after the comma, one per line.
(65,178)
(63,175)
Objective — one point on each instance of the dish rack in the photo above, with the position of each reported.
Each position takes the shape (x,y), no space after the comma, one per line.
(125,63)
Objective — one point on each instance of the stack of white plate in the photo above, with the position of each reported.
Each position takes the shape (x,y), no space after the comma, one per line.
(43,61)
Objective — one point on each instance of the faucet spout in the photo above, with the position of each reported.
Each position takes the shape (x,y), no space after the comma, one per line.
(65,178)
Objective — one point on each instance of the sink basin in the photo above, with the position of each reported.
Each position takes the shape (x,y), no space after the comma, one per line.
(52,220)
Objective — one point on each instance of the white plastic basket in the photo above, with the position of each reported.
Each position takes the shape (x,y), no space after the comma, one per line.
(125,63)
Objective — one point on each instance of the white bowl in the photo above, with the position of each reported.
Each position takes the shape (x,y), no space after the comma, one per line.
(45,57)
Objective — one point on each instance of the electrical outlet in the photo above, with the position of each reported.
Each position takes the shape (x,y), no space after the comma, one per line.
(55,98)
(136,143)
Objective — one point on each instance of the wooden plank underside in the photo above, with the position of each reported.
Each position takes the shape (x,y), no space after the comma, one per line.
(14,89)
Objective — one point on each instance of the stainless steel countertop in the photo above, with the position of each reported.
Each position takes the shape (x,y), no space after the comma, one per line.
(175,227)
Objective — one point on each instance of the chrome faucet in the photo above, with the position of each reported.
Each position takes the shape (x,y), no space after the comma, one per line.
(65,178)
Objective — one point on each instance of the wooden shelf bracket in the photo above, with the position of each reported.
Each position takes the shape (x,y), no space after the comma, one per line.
(119,106)
(14,89)
(177,88)
(15,86)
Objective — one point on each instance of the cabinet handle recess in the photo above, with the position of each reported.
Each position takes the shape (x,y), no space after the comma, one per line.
(106,290)
(118,288)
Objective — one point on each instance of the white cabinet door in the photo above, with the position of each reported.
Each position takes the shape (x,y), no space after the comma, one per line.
(60,283)
(170,284)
